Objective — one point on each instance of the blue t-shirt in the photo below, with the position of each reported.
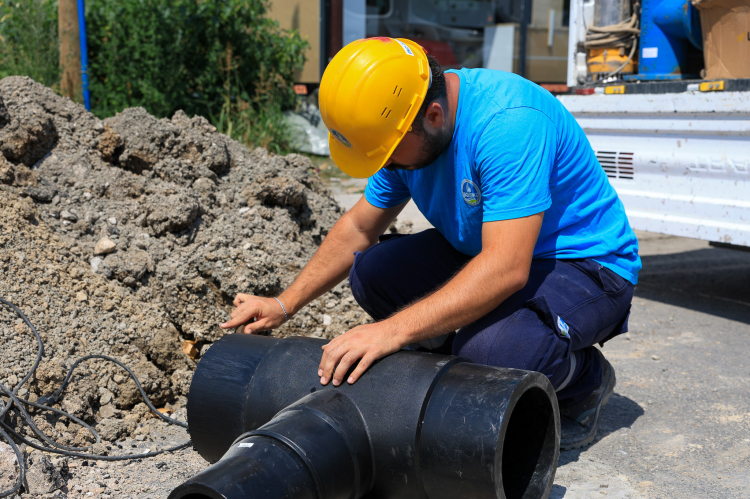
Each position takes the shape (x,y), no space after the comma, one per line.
(516,151)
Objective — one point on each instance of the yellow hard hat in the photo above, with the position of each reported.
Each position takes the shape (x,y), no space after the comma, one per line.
(369,96)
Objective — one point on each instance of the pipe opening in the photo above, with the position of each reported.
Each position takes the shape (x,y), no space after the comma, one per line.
(529,450)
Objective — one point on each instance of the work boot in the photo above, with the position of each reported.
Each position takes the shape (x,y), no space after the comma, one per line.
(578,422)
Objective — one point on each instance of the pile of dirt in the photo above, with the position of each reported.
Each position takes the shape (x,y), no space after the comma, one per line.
(130,237)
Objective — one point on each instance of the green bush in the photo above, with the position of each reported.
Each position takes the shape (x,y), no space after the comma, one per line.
(198,56)
(28,40)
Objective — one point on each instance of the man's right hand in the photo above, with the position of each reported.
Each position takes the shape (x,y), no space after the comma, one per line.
(267,313)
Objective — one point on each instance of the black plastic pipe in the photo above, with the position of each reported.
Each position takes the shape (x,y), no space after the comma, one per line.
(415,425)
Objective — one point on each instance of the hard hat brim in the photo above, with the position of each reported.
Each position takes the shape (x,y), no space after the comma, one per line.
(356,164)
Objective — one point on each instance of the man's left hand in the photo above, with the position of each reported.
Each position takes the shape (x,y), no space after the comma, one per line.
(366,343)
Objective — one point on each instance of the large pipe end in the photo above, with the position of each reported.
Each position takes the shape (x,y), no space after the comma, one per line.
(500,439)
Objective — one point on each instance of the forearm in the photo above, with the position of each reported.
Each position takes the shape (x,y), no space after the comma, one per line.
(477,289)
(329,265)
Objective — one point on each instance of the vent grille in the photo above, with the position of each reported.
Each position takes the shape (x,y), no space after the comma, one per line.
(616,164)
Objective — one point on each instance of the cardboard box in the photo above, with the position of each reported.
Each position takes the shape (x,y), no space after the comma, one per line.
(726,37)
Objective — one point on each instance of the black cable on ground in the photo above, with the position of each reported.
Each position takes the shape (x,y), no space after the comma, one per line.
(17,404)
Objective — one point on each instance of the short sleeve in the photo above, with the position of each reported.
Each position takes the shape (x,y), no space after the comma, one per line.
(514,155)
(386,189)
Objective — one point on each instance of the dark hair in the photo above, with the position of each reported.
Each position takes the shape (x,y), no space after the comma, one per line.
(437,91)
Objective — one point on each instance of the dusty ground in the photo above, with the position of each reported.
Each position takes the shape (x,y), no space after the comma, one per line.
(679,423)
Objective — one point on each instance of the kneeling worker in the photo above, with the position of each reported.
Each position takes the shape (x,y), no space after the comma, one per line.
(532,259)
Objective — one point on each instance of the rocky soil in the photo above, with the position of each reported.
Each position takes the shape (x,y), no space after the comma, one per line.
(130,237)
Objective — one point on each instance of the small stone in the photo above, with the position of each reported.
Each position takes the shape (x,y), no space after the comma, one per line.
(204,185)
(106,398)
(244,210)
(99,266)
(81,296)
(119,378)
(655,357)
(331,304)
(99,449)
(42,476)
(87,196)
(70,217)
(112,221)
(108,411)
(326,320)
(104,246)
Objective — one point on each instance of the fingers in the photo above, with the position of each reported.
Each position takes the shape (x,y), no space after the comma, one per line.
(332,354)
(240,298)
(344,364)
(363,365)
(341,359)
(242,315)
(257,326)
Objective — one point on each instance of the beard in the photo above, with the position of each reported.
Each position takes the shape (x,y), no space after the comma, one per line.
(433,146)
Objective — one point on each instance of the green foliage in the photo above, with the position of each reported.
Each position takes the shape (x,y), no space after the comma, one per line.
(224,59)
(255,120)
(264,127)
(212,58)
(28,40)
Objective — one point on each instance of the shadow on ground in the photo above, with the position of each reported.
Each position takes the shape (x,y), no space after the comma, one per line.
(620,412)
(715,281)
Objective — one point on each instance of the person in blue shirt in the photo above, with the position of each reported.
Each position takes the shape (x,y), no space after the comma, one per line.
(531,261)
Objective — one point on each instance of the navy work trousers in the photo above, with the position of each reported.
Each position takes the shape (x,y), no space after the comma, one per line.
(549,326)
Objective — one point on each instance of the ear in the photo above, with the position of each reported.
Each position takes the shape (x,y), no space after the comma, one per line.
(434,115)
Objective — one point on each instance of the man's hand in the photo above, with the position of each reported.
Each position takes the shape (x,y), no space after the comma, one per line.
(366,343)
(266,311)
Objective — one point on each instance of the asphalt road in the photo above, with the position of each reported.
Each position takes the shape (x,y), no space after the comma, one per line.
(678,425)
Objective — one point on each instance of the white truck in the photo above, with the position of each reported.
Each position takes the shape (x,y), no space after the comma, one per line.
(677,152)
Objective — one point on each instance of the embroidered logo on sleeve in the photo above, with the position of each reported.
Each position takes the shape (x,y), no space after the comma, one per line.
(564,328)
(470,192)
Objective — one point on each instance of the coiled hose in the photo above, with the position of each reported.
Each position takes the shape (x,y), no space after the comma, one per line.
(14,403)
(621,35)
